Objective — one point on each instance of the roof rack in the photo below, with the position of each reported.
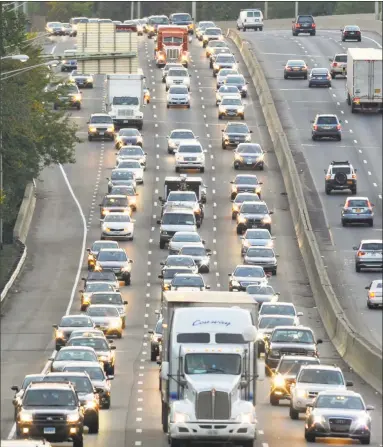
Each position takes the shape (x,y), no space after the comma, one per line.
(340,162)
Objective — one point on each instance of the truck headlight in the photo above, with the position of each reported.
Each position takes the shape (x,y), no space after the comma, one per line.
(25,416)
(59,334)
(302,394)
(110,129)
(246,418)
(180,418)
(74,417)
(279,381)
(92,129)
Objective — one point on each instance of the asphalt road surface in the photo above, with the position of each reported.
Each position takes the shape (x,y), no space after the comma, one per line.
(361,145)
(44,290)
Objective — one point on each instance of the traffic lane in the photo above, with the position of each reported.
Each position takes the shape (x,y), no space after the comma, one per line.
(41,294)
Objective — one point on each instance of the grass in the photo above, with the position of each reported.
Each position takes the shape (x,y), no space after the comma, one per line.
(8,257)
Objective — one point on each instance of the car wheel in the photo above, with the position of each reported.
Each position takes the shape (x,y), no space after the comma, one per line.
(188,106)
(357,268)
(93,427)
(293,413)
(119,335)
(202,170)
(57,347)
(370,223)
(55,107)
(79,107)
(167,106)
(369,305)
(262,166)
(339,137)
(285,76)
(236,166)
(242,117)
(305,77)
(344,223)
(274,400)
(153,355)
(219,117)
(177,169)
(314,138)
(78,441)
(240,230)
(107,403)
(309,437)
(353,191)
(127,281)
(89,138)
(223,146)
(232,197)
(328,191)
(83,309)
(267,371)
(310,85)
(274,272)
(233,216)
(162,245)
(333,75)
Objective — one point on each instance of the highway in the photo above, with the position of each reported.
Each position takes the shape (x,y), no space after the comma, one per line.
(56,243)
(361,144)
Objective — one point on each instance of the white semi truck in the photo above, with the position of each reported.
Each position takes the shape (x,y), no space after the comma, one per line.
(125,97)
(364,79)
(209,367)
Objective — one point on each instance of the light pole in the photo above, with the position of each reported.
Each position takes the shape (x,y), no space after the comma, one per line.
(16,57)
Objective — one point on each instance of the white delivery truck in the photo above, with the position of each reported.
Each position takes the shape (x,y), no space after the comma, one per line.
(364,79)
(125,94)
(209,367)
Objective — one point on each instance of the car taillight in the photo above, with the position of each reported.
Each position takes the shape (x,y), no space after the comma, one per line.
(315,127)
(361,253)
(334,64)
(313,25)
(329,77)
(371,294)
(338,127)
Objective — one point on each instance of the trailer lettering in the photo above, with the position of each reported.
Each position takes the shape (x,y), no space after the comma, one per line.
(217,322)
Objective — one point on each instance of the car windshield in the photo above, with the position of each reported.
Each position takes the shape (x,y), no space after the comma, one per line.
(296,63)
(254,208)
(129,133)
(226,59)
(81,384)
(126,190)
(345,170)
(238,80)
(76,355)
(125,101)
(86,333)
(169,66)
(102,311)
(170,272)
(237,128)
(325,376)
(183,261)
(292,336)
(249,149)
(101,276)
(178,219)
(182,135)
(292,367)
(104,119)
(98,287)
(70,89)
(175,72)
(202,363)
(357,203)
(98,344)
(127,151)
(117,218)
(272,322)
(226,72)
(190,149)
(115,201)
(257,234)
(182,197)
(159,20)
(231,102)
(260,252)
(340,402)
(187,281)
(76,73)
(305,19)
(76,322)
(191,237)
(193,251)
(94,372)
(113,256)
(178,90)
(260,290)
(250,272)
(341,58)
(181,18)
(352,28)
(228,89)
(213,31)
(107,298)
(246,198)
(125,164)
(246,180)
(122,175)
(215,43)
(50,398)
(277,309)
(372,246)
(97,246)
(327,120)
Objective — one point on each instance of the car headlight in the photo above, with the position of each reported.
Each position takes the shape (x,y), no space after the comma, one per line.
(156,338)
(363,420)
(26,416)
(241,109)
(104,212)
(110,129)
(216,66)
(90,404)
(244,87)
(166,286)
(260,335)
(246,243)
(242,219)
(279,381)
(180,418)
(235,283)
(89,79)
(248,138)
(302,394)
(318,419)
(77,97)
(234,188)
(74,417)
(97,268)
(246,418)
(59,334)
(127,268)
(104,358)
(132,199)
(234,66)
(172,144)
(205,260)
(235,207)
(266,219)
(275,352)
(92,129)
(116,324)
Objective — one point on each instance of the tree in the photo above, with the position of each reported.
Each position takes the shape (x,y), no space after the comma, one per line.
(63,11)
(34,136)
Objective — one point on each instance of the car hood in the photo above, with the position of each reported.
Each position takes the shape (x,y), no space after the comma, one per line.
(98,125)
(112,264)
(190,154)
(177,141)
(176,78)
(260,259)
(69,330)
(180,244)
(116,225)
(230,106)
(178,95)
(85,397)
(100,384)
(339,413)
(319,386)
(281,345)
(105,320)
(258,242)
(248,279)
(178,227)
(49,409)
(252,216)
(188,289)
(131,157)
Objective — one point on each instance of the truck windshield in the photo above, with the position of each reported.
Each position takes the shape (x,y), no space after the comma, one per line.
(173,39)
(213,364)
(125,101)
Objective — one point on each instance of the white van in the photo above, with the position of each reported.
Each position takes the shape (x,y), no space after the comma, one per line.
(250,19)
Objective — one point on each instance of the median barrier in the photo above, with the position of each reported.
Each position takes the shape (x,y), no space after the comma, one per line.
(362,357)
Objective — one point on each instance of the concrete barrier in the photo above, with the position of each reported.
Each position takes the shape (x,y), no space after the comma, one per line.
(366,22)
(25,215)
(365,359)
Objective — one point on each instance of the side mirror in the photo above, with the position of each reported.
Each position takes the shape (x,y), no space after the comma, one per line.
(151,332)
(208,250)
(370,408)
(183,381)
(81,91)
(110,377)
(88,122)
(51,359)
(312,121)
(251,131)
(271,212)
(330,59)
(81,291)
(83,279)
(355,248)
(131,260)
(222,130)
(113,347)
(340,121)
(299,314)
(159,222)
(232,182)
(99,390)
(125,302)
(349,383)
(207,287)
(162,263)
(15,388)
(88,250)
(367,288)
(229,274)
(319,341)
(55,326)
(161,276)
(160,199)
(167,137)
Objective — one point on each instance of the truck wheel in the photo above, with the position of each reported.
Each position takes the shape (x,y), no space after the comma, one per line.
(94,426)
(274,400)
(309,437)
(165,417)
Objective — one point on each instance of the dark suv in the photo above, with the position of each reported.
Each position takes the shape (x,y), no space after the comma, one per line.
(326,126)
(52,411)
(340,175)
(304,24)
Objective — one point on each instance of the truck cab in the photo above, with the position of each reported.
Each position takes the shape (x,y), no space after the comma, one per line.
(172,45)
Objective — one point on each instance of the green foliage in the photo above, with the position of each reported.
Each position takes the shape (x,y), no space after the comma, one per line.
(63,11)
(354,7)
(33,135)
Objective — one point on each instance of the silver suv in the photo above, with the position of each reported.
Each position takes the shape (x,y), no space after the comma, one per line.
(180,219)
(340,175)
(369,255)
(338,65)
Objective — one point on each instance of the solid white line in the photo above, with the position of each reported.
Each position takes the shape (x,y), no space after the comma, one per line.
(372,40)
(53,49)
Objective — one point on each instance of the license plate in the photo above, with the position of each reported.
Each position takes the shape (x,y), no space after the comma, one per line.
(352,33)
(49,430)
(126,121)
(296,69)
(327,127)
(248,162)
(212,432)
(102,133)
(358,210)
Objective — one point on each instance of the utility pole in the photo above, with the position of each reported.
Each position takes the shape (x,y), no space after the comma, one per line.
(296,9)
(131,10)
(377,10)
(266,13)
(194,11)
(138,10)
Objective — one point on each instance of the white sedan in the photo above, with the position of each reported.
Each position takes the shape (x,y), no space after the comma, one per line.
(182,239)
(226,91)
(134,166)
(117,226)
(221,76)
(132,153)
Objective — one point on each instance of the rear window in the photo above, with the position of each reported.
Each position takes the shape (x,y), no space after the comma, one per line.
(379,285)
(372,246)
(357,203)
(305,19)
(341,58)
(327,120)
(253,14)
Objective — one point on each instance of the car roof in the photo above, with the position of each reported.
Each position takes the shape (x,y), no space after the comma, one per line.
(115,196)
(253,267)
(326,114)
(45,385)
(339,393)
(189,275)
(103,242)
(356,198)
(321,366)
(100,114)
(368,241)
(301,357)
(63,373)
(295,328)
(179,210)
(246,175)
(77,348)
(276,316)
(86,365)
(114,250)
(181,130)
(82,337)
(279,303)
(196,245)
(185,233)
(75,316)
(260,202)
(102,305)
(103,293)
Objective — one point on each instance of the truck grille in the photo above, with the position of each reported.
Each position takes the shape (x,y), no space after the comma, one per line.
(340,425)
(172,53)
(293,351)
(125,112)
(213,405)
(48,417)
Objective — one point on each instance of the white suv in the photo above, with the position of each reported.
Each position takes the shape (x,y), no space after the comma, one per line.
(250,19)
(178,76)
(190,156)
(310,381)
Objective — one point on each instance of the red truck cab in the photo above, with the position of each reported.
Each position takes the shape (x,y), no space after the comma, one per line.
(172,45)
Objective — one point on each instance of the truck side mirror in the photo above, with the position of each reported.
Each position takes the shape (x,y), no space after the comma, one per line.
(183,382)
(243,383)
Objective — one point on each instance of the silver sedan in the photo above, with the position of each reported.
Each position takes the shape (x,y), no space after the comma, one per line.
(182,239)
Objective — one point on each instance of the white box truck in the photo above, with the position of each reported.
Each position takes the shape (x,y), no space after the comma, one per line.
(209,367)
(364,79)
(125,94)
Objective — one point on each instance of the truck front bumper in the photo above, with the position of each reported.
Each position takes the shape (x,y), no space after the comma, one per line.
(212,432)
(118,123)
